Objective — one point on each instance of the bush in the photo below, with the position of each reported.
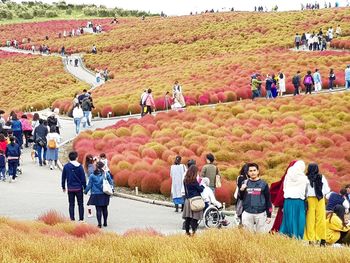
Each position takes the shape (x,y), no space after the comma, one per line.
(26,15)
(135,179)
(51,13)
(69,11)
(165,187)
(151,184)
(121,178)
(52,218)
(90,11)
(5,13)
(83,230)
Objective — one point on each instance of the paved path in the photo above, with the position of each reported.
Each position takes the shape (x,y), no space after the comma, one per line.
(38,190)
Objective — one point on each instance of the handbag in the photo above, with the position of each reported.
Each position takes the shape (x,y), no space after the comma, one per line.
(217,179)
(196,203)
(106,187)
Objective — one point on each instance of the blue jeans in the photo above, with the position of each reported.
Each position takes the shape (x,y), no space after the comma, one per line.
(13,164)
(87,115)
(19,137)
(255,94)
(347,84)
(269,94)
(77,125)
(40,153)
(3,173)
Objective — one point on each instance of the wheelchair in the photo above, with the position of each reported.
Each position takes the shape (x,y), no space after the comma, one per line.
(213,217)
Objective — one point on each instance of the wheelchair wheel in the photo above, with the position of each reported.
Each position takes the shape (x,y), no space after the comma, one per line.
(211,217)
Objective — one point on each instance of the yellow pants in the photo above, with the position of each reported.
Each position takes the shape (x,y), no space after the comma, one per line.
(315,219)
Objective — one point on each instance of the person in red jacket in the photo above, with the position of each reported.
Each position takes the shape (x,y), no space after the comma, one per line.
(3,142)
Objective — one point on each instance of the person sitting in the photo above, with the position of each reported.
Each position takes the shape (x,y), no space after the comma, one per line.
(337,199)
(336,227)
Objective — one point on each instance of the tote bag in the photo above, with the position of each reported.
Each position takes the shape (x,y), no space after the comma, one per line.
(106,187)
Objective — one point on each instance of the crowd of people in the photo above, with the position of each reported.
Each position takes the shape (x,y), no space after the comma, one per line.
(303,212)
(316,41)
(276,84)
(81,113)
(316,5)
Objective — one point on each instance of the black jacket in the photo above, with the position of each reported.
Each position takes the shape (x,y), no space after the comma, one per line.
(40,132)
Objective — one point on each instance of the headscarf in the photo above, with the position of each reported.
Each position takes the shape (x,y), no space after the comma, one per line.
(295,175)
(315,179)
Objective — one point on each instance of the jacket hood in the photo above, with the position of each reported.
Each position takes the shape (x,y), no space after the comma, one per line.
(75,163)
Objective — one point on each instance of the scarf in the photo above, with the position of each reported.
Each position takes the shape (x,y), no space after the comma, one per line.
(315,179)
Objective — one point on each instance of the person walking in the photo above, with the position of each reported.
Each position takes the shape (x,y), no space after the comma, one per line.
(13,154)
(74,177)
(210,170)
(2,165)
(347,77)
(308,82)
(53,139)
(296,83)
(89,168)
(177,173)
(316,208)
(53,120)
(192,189)
(27,129)
(98,198)
(268,85)
(243,176)
(336,227)
(295,185)
(297,41)
(317,81)
(86,106)
(148,103)
(78,114)
(255,83)
(177,94)
(17,130)
(257,206)
(35,121)
(39,138)
(331,79)
(281,83)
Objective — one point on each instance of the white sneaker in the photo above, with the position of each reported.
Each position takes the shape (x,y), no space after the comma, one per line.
(90,215)
(51,167)
(55,167)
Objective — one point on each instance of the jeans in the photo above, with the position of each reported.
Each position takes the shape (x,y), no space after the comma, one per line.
(347,84)
(308,88)
(80,200)
(255,94)
(12,165)
(330,84)
(27,135)
(19,137)
(41,154)
(296,90)
(77,125)
(269,94)
(2,173)
(101,210)
(87,116)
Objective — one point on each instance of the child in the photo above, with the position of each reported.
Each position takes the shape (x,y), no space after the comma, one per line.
(103,158)
(13,153)
(2,165)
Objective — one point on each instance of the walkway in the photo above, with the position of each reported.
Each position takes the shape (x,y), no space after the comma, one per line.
(39,190)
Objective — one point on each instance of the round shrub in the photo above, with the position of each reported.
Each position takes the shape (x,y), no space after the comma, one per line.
(121,178)
(135,179)
(121,109)
(149,153)
(224,195)
(151,184)
(165,187)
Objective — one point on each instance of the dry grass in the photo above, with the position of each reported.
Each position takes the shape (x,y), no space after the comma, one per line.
(37,242)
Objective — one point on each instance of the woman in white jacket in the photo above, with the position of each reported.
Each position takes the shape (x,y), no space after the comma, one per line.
(208,195)
(294,188)
(78,114)
(177,173)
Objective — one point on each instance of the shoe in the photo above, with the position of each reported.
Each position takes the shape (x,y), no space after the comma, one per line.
(225,222)
(55,167)
(90,215)
(105,224)
(99,226)
(44,162)
(51,167)
(14,180)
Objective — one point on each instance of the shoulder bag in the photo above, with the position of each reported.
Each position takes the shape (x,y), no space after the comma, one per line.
(106,187)
(196,203)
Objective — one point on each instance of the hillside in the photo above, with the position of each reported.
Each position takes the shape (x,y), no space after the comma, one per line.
(210,54)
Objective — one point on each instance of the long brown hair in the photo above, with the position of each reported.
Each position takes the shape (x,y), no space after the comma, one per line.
(191,174)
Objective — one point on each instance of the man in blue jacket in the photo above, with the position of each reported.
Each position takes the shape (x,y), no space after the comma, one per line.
(73,173)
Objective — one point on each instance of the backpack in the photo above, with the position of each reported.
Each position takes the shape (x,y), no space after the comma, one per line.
(295,80)
(85,105)
(308,80)
(51,144)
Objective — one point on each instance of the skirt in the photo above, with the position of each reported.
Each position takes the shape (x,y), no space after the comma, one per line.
(189,213)
(294,218)
(52,154)
(99,200)
(178,201)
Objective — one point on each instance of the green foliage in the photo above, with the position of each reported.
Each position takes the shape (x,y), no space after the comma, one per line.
(50,13)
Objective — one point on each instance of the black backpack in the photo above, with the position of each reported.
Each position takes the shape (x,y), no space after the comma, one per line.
(85,105)
(295,80)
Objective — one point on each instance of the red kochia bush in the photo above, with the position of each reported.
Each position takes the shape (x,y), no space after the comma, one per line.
(148,232)
(52,217)
(135,179)
(165,187)
(151,184)
(224,195)
(82,230)
(121,178)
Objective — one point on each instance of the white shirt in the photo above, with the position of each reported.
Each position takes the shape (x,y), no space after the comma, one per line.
(295,184)
(208,196)
(325,188)
(78,113)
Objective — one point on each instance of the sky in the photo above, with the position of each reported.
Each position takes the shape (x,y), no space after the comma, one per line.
(184,7)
